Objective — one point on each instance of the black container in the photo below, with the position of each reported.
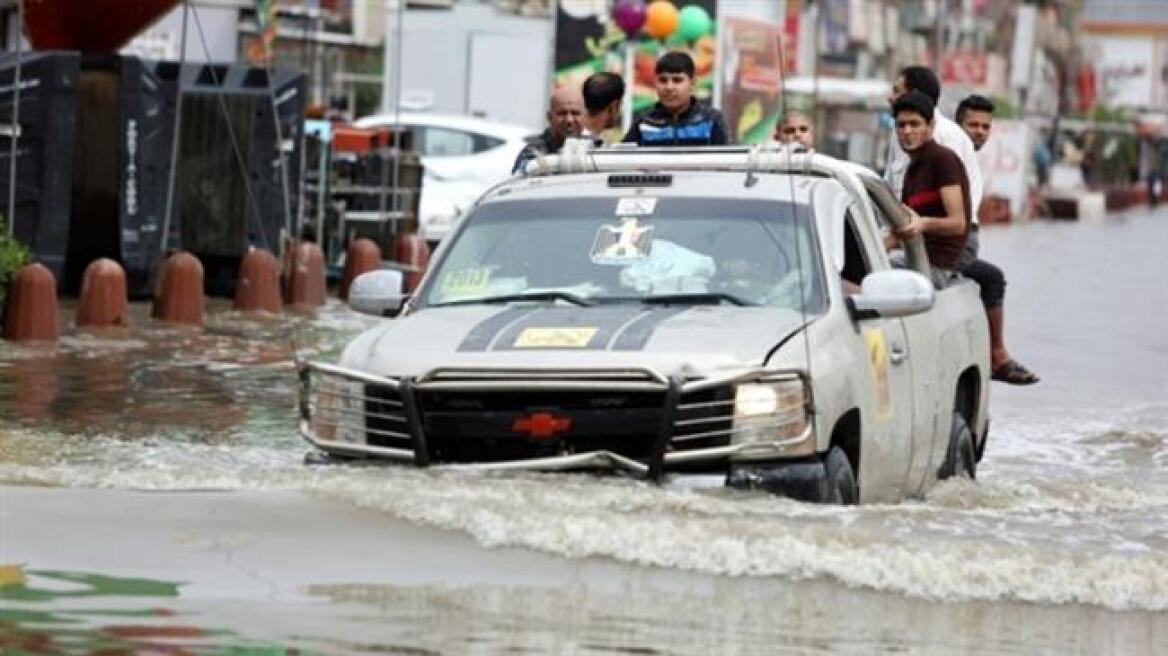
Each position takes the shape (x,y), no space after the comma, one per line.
(230,191)
(44,162)
(94,162)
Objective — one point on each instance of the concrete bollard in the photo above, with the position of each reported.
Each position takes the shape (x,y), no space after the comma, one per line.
(306,287)
(103,295)
(412,251)
(179,298)
(364,256)
(257,287)
(32,306)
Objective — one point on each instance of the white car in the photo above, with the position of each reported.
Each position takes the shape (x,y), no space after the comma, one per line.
(463,157)
(726,311)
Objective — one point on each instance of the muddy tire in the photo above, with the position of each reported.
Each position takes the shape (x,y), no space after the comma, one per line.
(841,485)
(960,456)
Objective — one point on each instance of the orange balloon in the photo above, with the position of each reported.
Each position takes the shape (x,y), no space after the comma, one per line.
(660,19)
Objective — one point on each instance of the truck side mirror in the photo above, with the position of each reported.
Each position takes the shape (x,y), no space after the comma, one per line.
(378,293)
(892,293)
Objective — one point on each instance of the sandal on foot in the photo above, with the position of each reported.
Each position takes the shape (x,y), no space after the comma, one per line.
(1015,374)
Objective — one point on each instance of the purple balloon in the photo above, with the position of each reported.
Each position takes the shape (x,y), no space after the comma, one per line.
(629,15)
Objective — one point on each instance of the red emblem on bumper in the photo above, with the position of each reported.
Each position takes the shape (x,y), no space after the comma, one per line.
(541,425)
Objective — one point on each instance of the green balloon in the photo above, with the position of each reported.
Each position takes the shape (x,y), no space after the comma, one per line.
(693,22)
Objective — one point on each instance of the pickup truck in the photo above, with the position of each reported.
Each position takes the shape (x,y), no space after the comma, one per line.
(664,311)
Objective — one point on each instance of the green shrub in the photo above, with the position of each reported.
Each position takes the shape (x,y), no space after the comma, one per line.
(13,255)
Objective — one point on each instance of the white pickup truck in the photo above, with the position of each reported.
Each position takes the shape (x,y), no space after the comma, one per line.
(657,311)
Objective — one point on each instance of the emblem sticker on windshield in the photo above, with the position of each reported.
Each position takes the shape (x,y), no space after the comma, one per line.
(636,206)
(623,244)
(555,337)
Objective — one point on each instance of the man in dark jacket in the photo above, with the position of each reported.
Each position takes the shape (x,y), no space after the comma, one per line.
(677,119)
(565,119)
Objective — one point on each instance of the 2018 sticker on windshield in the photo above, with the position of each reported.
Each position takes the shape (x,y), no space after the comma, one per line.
(624,244)
(464,281)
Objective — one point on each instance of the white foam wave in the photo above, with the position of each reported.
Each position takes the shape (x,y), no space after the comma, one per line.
(938,549)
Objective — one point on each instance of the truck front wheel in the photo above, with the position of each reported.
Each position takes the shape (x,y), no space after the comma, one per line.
(841,480)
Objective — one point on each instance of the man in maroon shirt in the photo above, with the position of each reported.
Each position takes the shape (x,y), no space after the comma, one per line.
(936,189)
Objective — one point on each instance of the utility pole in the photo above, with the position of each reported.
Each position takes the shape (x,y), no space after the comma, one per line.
(14,134)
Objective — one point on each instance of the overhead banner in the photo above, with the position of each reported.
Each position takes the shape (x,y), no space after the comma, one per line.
(752,78)
(589,40)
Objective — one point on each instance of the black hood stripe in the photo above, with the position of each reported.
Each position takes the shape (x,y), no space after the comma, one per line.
(636,334)
(618,327)
(484,333)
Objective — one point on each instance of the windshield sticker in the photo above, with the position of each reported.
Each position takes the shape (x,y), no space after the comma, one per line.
(624,244)
(465,281)
(635,206)
(555,337)
(878,369)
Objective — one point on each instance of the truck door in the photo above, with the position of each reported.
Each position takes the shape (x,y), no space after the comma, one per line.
(887,415)
(920,363)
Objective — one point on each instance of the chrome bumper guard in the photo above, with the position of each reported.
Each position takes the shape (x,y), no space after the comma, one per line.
(340,417)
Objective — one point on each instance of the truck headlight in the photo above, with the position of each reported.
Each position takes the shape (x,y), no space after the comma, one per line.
(769,414)
(337,410)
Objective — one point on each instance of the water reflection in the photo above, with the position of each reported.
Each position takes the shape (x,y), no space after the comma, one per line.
(54,612)
(165,381)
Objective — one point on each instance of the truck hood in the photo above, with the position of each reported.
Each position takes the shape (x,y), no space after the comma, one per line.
(699,340)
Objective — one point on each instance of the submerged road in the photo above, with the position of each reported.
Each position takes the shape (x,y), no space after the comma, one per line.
(154,494)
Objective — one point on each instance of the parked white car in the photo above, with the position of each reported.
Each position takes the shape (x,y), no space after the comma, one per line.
(720,310)
(463,156)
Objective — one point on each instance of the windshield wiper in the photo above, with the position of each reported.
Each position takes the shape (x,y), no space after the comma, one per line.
(549,295)
(698,298)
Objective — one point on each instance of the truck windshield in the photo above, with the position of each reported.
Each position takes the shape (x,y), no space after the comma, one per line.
(635,249)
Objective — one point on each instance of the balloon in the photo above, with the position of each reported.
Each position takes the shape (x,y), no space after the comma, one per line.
(693,22)
(660,19)
(629,16)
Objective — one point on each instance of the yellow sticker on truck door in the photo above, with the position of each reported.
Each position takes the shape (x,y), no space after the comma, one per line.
(878,370)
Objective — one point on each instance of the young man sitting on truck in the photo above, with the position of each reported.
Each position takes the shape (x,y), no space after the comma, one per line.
(935,191)
(677,118)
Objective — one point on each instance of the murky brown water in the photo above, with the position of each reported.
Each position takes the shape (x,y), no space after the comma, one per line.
(1060,547)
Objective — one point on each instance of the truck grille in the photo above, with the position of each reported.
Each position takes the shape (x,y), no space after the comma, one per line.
(484,425)
(493,416)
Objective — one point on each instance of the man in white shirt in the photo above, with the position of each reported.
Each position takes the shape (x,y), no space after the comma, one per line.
(945,132)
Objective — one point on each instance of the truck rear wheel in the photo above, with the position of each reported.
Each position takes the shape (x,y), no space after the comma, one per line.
(841,480)
(960,456)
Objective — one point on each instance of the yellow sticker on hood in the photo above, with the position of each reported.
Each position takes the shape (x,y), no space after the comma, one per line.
(555,337)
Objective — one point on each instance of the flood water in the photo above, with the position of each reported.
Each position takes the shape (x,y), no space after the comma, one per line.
(1061,546)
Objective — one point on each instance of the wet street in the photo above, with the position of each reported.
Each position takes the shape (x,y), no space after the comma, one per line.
(152,487)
